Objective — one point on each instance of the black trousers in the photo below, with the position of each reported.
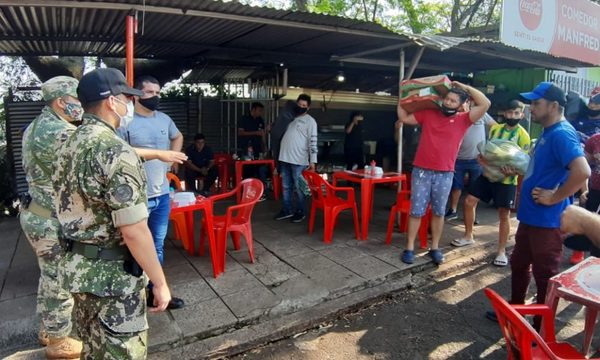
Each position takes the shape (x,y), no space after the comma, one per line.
(354,156)
(209,179)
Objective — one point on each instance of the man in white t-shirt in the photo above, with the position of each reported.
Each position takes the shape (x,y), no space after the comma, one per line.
(298,152)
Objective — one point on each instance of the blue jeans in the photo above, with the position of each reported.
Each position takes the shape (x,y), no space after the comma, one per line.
(159,208)
(290,175)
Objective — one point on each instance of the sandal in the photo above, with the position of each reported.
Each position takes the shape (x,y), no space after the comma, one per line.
(462,242)
(501,260)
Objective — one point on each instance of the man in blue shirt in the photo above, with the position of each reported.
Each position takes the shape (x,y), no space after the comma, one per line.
(201,162)
(557,170)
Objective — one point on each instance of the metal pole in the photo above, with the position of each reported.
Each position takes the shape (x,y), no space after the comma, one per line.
(399,166)
(401,77)
(130,25)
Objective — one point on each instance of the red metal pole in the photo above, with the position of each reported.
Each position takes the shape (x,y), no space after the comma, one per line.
(129,37)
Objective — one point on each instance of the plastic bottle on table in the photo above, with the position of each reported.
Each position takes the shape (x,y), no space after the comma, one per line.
(250,153)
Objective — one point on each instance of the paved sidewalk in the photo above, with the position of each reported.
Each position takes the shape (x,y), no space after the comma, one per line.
(296,280)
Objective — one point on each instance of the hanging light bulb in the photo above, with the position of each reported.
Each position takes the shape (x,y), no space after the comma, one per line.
(340,77)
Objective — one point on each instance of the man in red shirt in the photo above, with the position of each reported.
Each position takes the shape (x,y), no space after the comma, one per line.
(442,133)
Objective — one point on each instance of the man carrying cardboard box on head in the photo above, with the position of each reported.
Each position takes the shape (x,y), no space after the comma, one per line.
(442,132)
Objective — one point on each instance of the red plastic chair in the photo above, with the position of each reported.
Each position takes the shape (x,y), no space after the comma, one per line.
(237,219)
(223,162)
(402,206)
(324,197)
(179,225)
(277,185)
(520,336)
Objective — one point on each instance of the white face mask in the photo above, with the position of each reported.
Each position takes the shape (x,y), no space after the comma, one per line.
(126,119)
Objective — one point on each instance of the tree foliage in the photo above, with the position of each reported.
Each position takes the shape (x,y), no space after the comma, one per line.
(416,16)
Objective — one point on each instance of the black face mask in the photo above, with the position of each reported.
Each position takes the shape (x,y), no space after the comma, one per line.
(593,113)
(447,111)
(299,110)
(511,122)
(150,103)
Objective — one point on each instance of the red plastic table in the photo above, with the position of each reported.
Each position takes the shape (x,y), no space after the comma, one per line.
(367,185)
(206,205)
(239,167)
(579,284)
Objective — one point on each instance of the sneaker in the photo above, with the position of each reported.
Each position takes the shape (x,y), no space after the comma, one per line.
(476,221)
(436,255)
(298,218)
(451,215)
(282,215)
(263,197)
(408,256)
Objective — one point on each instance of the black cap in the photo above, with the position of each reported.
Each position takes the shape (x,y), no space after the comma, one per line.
(548,91)
(99,84)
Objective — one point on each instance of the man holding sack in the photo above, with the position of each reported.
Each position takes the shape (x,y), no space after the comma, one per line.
(503,191)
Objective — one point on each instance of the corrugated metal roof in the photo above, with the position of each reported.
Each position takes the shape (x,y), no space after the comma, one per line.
(215,33)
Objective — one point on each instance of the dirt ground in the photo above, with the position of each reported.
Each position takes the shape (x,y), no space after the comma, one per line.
(441,320)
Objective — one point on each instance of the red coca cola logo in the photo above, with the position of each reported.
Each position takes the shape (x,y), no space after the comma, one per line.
(530,12)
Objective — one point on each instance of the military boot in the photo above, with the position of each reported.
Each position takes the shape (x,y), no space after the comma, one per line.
(63,348)
(43,336)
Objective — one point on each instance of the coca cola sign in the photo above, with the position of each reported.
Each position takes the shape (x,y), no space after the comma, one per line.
(562,28)
(530,12)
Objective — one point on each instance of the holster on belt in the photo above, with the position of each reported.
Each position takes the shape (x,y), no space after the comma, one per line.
(94,252)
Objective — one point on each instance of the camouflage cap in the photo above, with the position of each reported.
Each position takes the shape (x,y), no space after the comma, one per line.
(59,86)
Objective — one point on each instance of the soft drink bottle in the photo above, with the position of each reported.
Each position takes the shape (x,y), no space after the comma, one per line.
(250,151)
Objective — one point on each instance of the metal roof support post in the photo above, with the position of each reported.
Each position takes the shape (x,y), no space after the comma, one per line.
(130,25)
(400,78)
(399,166)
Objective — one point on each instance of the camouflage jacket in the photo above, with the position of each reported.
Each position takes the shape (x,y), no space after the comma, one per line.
(41,141)
(100,185)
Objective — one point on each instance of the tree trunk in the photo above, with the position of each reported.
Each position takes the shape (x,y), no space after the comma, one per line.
(47,67)
(300,4)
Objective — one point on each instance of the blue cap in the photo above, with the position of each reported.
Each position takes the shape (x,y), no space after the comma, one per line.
(548,91)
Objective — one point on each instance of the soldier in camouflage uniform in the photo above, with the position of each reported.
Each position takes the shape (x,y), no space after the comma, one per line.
(41,140)
(100,201)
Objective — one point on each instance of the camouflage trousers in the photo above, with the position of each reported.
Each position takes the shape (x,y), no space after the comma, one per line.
(113,327)
(54,303)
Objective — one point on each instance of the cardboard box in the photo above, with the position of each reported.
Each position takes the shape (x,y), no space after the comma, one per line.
(431,85)
(416,103)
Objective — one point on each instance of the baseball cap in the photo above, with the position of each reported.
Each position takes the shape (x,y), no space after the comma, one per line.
(59,86)
(99,84)
(548,91)
(595,95)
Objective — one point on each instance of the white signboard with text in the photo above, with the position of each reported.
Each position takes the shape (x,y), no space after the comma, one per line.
(565,28)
